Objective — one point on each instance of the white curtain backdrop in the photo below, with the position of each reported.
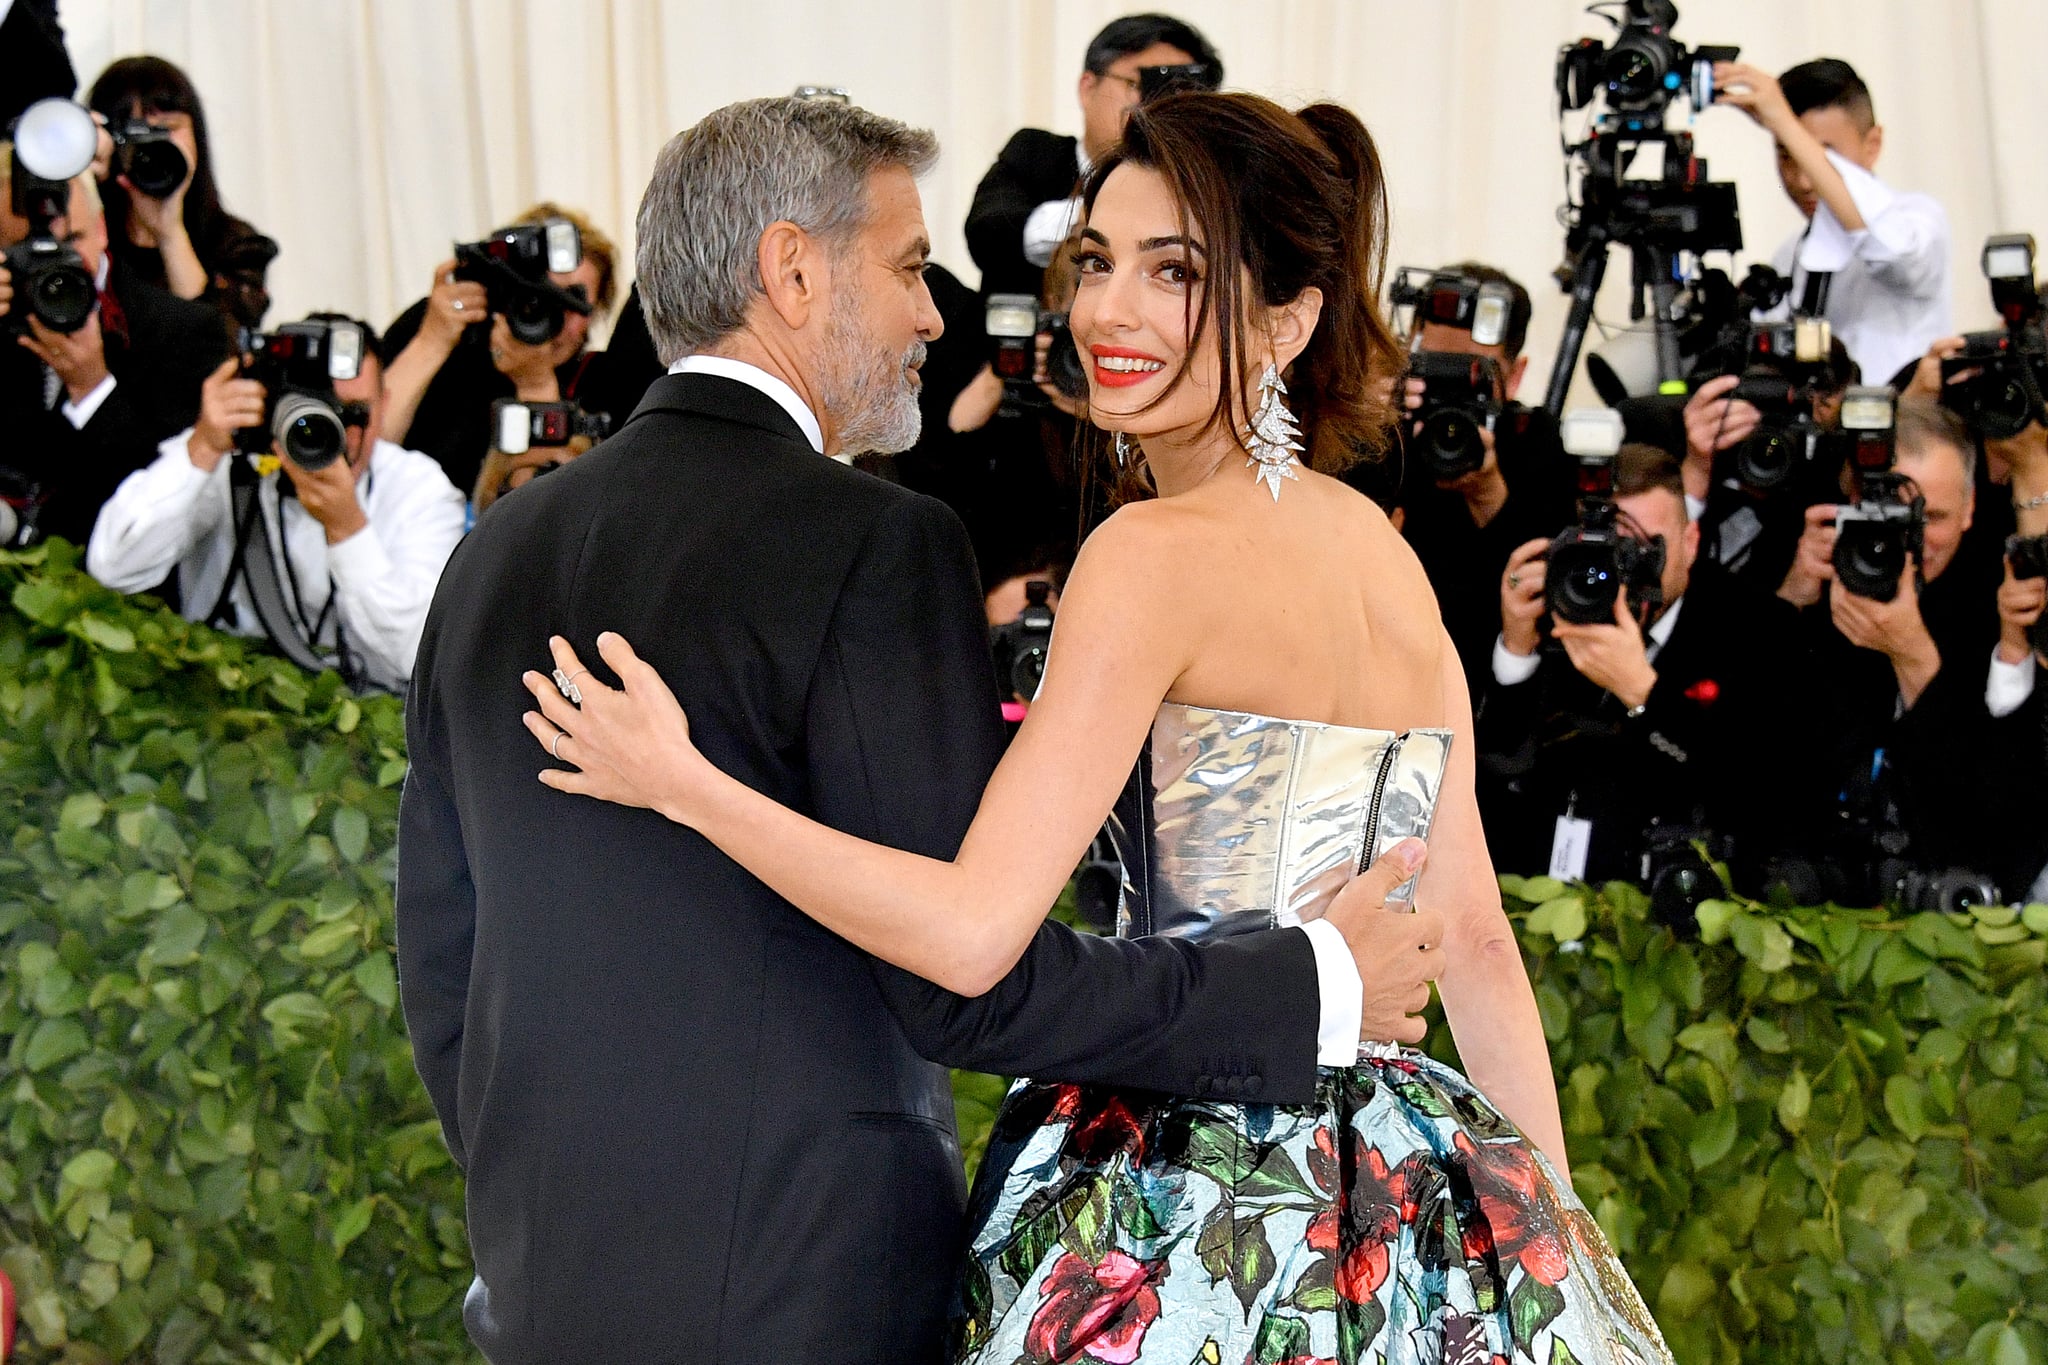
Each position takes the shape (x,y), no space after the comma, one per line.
(367,135)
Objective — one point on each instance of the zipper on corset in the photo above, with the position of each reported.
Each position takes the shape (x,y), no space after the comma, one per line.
(1379,790)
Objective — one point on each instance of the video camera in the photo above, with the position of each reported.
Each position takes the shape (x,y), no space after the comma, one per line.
(1888,521)
(1461,395)
(1593,563)
(154,165)
(518,427)
(1645,69)
(297,365)
(1013,322)
(1020,646)
(54,143)
(2007,370)
(513,265)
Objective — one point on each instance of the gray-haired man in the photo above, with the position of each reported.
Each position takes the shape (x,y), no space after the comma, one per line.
(696,1126)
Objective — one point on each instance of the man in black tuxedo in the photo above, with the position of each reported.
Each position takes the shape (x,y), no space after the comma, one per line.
(1668,726)
(696,1126)
(84,409)
(1026,204)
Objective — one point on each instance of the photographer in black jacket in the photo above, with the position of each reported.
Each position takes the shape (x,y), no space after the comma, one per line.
(1026,204)
(1463,527)
(1610,740)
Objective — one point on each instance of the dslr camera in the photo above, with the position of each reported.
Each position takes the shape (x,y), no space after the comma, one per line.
(1888,521)
(1020,646)
(2028,556)
(1785,366)
(53,144)
(297,365)
(518,427)
(513,265)
(146,155)
(1461,397)
(1606,554)
(2006,371)
(1013,322)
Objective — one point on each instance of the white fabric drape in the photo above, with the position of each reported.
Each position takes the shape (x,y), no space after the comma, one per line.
(367,135)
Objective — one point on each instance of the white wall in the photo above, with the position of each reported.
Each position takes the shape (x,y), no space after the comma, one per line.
(367,135)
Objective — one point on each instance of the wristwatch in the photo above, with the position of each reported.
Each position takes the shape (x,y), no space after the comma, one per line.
(1635,712)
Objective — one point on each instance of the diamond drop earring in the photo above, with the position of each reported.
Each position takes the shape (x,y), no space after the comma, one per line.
(1272,442)
(1125,447)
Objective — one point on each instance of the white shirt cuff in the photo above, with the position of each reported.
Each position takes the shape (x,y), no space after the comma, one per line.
(1342,993)
(1695,508)
(1047,227)
(79,413)
(2009,686)
(1511,669)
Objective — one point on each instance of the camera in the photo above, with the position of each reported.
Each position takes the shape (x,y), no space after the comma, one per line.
(513,265)
(53,144)
(1678,876)
(2028,556)
(1784,367)
(1875,535)
(1460,402)
(1644,69)
(1952,889)
(1593,563)
(1156,82)
(1014,322)
(146,155)
(2005,372)
(518,427)
(297,365)
(1020,646)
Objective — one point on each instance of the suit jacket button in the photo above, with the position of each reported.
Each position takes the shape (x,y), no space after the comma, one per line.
(1205,1084)
(1253,1085)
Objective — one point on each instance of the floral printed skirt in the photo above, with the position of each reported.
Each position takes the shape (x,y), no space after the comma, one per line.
(1401,1219)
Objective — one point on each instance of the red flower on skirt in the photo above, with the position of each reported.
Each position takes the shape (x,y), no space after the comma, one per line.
(1098,1312)
(1364,1268)
(1111,1129)
(1513,1220)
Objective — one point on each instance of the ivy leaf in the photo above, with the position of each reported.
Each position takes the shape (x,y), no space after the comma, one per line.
(1795,1101)
(353,1223)
(1563,918)
(91,1169)
(54,1041)
(108,636)
(351,834)
(1905,1100)
(1713,1136)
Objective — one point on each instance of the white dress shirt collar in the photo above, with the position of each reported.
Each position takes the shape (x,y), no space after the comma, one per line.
(754,377)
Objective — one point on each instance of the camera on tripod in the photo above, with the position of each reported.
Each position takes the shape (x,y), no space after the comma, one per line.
(297,365)
(1606,554)
(1888,521)
(1461,396)
(2006,371)
(1020,646)
(513,265)
(1014,322)
(154,165)
(518,427)
(53,144)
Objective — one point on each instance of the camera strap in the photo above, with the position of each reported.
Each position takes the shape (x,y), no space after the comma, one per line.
(255,565)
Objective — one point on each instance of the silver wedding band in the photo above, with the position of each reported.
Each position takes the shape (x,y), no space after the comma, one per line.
(1514,581)
(458,305)
(554,748)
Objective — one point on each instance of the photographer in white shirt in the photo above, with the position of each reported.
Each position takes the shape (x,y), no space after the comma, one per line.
(356,546)
(1872,260)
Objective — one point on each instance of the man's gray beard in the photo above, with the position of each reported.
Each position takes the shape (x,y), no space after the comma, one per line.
(867,393)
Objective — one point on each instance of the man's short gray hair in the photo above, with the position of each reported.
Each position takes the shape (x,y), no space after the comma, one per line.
(718,185)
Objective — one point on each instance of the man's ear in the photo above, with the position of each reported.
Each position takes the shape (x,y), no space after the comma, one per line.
(792,272)
(1086,86)
(1692,541)
(1290,326)
(1873,144)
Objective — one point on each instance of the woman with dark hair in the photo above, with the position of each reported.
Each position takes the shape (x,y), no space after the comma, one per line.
(1263,642)
(181,239)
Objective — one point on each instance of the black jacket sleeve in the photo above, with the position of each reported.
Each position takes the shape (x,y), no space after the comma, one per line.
(1027,173)
(436,917)
(903,733)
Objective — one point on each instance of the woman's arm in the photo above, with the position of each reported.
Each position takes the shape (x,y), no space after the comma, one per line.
(452,306)
(1117,649)
(1485,988)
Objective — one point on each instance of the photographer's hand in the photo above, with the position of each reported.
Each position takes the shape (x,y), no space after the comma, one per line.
(1522,601)
(328,494)
(2024,461)
(1894,629)
(976,405)
(227,403)
(1072,407)
(79,358)
(6,290)
(452,306)
(530,368)
(1756,92)
(164,219)
(1612,657)
(1713,423)
(1926,381)
(1813,564)
(2020,601)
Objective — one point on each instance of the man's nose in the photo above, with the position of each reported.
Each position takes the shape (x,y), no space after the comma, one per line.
(930,324)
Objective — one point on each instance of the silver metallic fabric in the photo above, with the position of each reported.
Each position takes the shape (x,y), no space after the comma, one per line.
(1252,822)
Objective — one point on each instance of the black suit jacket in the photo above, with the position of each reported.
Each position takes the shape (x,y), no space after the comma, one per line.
(1704,752)
(696,1126)
(1033,167)
(33,62)
(172,344)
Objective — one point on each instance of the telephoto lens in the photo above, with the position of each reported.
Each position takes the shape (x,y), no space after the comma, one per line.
(148,157)
(308,430)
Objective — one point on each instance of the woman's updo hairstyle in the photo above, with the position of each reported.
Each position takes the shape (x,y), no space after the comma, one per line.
(1299,201)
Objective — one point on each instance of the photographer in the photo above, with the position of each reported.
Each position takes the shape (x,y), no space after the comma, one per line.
(334,563)
(164,213)
(1872,260)
(1025,205)
(1464,526)
(1660,724)
(83,409)
(449,356)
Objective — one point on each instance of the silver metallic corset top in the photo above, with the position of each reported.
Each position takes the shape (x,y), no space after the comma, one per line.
(1235,822)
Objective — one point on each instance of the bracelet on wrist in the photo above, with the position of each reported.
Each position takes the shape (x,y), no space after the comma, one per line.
(2019,504)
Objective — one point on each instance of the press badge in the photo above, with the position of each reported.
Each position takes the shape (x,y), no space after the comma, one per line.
(1568,847)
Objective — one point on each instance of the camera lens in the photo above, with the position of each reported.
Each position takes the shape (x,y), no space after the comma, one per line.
(2004,408)
(1583,583)
(534,318)
(155,168)
(1063,360)
(62,296)
(1869,558)
(308,430)
(1766,459)
(1451,444)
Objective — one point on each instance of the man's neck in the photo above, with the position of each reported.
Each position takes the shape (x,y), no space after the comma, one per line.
(768,355)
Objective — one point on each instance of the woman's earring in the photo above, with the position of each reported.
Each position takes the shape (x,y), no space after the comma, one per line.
(1272,441)
(1125,447)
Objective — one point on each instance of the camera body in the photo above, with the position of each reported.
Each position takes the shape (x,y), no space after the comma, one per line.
(1157,82)
(1020,646)
(1014,322)
(1593,563)
(1460,402)
(1644,70)
(1784,367)
(2005,373)
(513,265)
(297,365)
(144,153)
(518,427)
(50,281)
(1877,533)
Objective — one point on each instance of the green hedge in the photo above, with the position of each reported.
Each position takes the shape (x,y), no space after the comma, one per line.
(1815,1135)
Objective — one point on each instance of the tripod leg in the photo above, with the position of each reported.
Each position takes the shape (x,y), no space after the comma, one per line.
(1588,269)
